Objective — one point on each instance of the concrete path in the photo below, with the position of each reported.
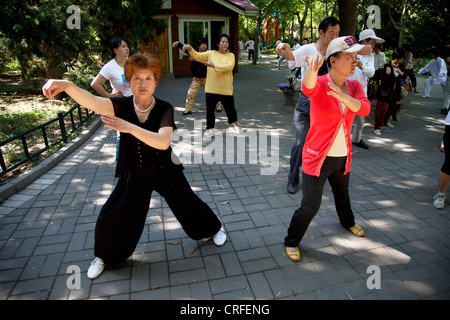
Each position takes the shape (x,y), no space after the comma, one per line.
(47,229)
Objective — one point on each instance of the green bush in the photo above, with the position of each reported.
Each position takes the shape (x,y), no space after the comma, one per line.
(16,121)
(81,73)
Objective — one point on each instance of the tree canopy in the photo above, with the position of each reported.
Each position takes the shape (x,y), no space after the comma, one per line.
(44,29)
(39,32)
(421,24)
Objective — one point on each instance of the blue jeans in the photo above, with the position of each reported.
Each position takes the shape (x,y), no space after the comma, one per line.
(302,123)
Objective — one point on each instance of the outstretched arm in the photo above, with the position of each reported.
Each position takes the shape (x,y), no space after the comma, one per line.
(86,99)
(198,56)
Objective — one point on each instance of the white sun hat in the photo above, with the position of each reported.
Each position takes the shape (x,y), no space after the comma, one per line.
(347,44)
(369,34)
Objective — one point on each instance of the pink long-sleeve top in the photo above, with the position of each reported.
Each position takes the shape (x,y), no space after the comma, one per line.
(327,116)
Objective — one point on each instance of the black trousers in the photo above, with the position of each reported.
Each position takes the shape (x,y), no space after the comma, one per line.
(446,166)
(122,218)
(228,104)
(332,170)
(250,54)
(412,77)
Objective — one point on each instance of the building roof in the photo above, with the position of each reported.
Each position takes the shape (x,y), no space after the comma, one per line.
(243,7)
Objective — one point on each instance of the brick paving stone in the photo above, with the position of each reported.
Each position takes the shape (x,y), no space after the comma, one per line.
(50,225)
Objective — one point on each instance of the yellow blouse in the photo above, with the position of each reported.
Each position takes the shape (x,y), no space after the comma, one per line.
(219,80)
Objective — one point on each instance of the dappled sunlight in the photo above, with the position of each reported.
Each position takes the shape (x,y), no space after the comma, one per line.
(375,251)
(398,146)
(403,185)
(404,147)
(435,128)
(434,119)
(381,141)
(271,89)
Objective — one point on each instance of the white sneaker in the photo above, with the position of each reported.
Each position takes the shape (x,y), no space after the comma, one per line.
(96,268)
(210,132)
(236,129)
(377,132)
(220,237)
(439,201)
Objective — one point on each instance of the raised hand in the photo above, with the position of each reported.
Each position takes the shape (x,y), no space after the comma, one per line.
(52,87)
(315,62)
(284,49)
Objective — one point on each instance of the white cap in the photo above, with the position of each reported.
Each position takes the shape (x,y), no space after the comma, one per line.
(369,34)
(347,44)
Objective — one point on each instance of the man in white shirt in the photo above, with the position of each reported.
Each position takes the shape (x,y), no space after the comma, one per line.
(438,72)
(379,58)
(251,48)
(364,71)
(328,30)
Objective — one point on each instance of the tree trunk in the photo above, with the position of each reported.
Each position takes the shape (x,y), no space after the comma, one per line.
(302,21)
(258,32)
(347,17)
(400,27)
(51,72)
(261,17)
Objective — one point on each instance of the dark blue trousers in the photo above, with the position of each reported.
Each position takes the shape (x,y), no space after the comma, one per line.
(302,123)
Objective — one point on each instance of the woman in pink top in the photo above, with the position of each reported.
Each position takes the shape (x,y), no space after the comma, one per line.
(327,152)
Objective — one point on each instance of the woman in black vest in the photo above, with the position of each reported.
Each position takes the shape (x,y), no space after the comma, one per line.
(146,125)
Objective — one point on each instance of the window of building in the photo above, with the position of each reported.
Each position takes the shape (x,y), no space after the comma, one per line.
(193,29)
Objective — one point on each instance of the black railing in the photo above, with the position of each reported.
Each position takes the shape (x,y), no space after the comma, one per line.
(21,139)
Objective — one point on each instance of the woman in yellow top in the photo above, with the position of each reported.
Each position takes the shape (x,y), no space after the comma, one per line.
(219,80)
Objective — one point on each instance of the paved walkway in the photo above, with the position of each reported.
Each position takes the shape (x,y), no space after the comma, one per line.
(47,230)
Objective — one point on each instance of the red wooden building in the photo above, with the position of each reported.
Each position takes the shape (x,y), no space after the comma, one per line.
(188,20)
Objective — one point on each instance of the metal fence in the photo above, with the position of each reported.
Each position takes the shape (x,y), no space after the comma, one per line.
(19,142)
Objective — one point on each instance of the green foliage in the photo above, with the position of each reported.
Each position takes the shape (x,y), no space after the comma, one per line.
(425,24)
(37,30)
(420,63)
(16,121)
(82,72)
(132,20)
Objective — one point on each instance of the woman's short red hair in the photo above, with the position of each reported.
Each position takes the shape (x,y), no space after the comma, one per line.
(146,61)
